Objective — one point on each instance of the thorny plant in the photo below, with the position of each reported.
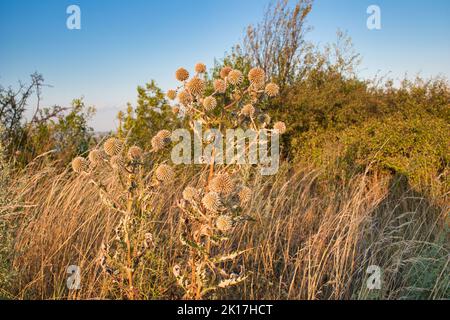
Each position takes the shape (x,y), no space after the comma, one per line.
(208,213)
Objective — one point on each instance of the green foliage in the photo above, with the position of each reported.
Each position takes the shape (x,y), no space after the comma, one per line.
(152,113)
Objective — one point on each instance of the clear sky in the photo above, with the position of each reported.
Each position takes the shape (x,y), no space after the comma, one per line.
(126,43)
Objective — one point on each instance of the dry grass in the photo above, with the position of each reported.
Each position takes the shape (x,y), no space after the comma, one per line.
(310,239)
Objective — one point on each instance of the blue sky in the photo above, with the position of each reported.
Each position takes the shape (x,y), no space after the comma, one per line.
(125,43)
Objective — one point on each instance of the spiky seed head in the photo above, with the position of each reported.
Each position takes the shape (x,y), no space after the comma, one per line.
(225,72)
(196,86)
(79,164)
(224,223)
(117,162)
(171,94)
(280,127)
(190,194)
(245,194)
(184,97)
(166,136)
(222,183)
(209,103)
(256,76)
(211,202)
(135,153)
(157,143)
(272,90)
(248,110)
(182,74)
(165,173)
(200,68)
(235,77)
(113,146)
(95,157)
(220,86)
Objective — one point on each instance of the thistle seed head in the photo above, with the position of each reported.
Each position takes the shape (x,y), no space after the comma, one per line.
(184,97)
(135,153)
(95,157)
(280,127)
(165,173)
(113,146)
(190,194)
(225,72)
(200,68)
(209,103)
(272,90)
(224,223)
(172,94)
(256,76)
(182,74)
(211,202)
(79,165)
(248,110)
(196,86)
(220,86)
(235,77)
(245,195)
(222,183)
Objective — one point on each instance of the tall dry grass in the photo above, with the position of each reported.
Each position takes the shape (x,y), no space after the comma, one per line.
(310,238)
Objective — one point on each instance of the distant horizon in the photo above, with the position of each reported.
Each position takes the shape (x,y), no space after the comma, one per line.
(121,46)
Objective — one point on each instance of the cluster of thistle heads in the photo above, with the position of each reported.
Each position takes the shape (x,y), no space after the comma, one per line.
(123,159)
(230,84)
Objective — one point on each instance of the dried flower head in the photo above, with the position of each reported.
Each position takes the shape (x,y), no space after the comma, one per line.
(220,86)
(157,143)
(224,223)
(248,110)
(79,165)
(211,202)
(117,163)
(272,90)
(165,173)
(196,86)
(222,183)
(184,97)
(176,110)
(113,146)
(182,74)
(225,72)
(245,195)
(200,68)
(95,157)
(256,76)
(209,103)
(190,194)
(280,127)
(235,77)
(135,153)
(172,94)
(165,135)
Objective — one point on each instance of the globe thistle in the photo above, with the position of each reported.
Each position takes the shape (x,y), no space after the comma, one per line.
(200,68)
(157,143)
(209,103)
(211,202)
(280,127)
(135,153)
(172,94)
(196,86)
(113,146)
(256,77)
(79,165)
(272,90)
(220,86)
(165,173)
(165,136)
(184,97)
(245,195)
(225,72)
(222,183)
(190,194)
(248,110)
(224,223)
(182,74)
(117,162)
(95,157)
(235,77)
